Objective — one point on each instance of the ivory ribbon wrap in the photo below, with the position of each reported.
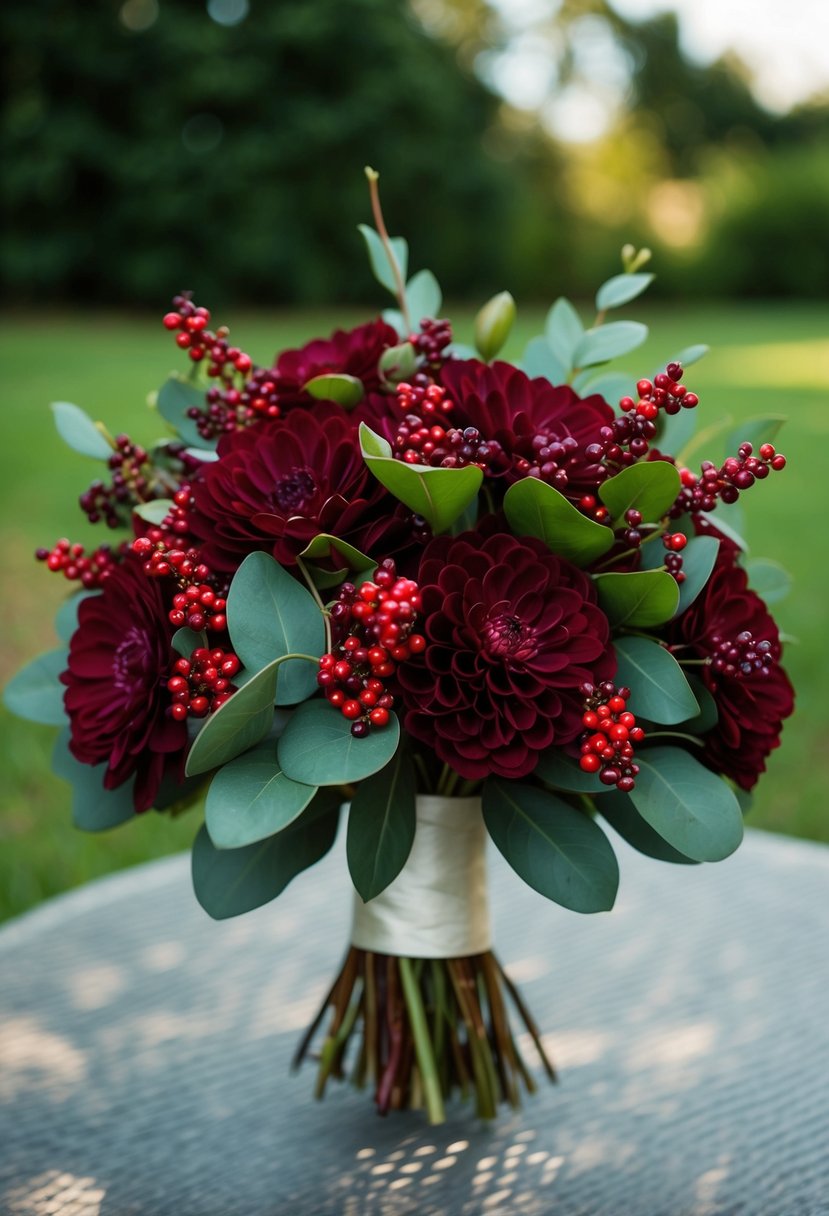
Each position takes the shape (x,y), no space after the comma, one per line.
(437,906)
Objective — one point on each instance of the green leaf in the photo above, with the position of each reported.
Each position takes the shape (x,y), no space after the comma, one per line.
(175,398)
(381,826)
(270,615)
(36,692)
(493,325)
(185,641)
(769,579)
(318,748)
(642,598)
(228,882)
(607,342)
(610,385)
(154,512)
(688,805)
(439,495)
(251,798)
(623,817)
(756,431)
(722,520)
(675,431)
(94,809)
(423,297)
(397,363)
(558,851)
(380,265)
(539,360)
(621,289)
(698,560)
(659,690)
(324,546)
(535,509)
(77,429)
(66,617)
(689,355)
(564,331)
(563,771)
(347,391)
(650,487)
(708,715)
(241,722)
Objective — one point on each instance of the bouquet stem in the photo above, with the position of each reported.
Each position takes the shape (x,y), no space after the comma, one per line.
(424,1029)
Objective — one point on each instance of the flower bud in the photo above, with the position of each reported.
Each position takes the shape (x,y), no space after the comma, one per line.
(493,324)
(398,363)
(634,259)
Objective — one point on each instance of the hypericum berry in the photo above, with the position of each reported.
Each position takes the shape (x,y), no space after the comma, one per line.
(726,483)
(741,656)
(200,602)
(202,683)
(132,483)
(610,734)
(432,340)
(90,569)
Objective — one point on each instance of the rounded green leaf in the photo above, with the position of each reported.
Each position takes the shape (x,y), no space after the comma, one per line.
(659,690)
(174,399)
(241,722)
(378,256)
(155,511)
(624,818)
(690,354)
(251,798)
(708,715)
(610,385)
(493,324)
(228,882)
(564,331)
(78,430)
(564,772)
(758,430)
(94,809)
(36,692)
(607,342)
(66,617)
(769,579)
(650,487)
(324,546)
(318,748)
(535,509)
(185,641)
(271,615)
(641,598)
(686,804)
(538,359)
(347,391)
(439,495)
(423,297)
(621,289)
(397,363)
(381,826)
(698,559)
(729,521)
(558,851)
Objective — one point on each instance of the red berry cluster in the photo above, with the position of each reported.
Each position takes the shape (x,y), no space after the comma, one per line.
(432,340)
(724,484)
(91,569)
(675,542)
(421,440)
(741,656)
(372,629)
(202,683)
(196,604)
(610,733)
(130,484)
(665,392)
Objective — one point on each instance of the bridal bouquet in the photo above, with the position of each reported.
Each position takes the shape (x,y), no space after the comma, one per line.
(441,595)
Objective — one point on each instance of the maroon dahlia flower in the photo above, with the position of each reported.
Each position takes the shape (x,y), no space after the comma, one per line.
(353,352)
(729,624)
(116,695)
(277,485)
(512,631)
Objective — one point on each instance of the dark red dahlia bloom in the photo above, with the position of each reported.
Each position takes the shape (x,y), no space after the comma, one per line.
(116,695)
(512,631)
(729,622)
(354,352)
(277,485)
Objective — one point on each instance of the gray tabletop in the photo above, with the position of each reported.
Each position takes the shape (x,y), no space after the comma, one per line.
(144,1054)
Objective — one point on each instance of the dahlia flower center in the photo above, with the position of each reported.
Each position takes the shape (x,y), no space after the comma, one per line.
(506,636)
(295,490)
(131,663)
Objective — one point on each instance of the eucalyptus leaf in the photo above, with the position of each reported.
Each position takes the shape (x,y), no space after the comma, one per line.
(659,690)
(686,804)
(721,519)
(675,431)
(397,363)
(155,511)
(175,398)
(564,772)
(228,882)
(756,431)
(610,385)
(539,359)
(66,617)
(423,297)
(769,579)
(381,826)
(94,809)
(271,615)
(379,259)
(36,693)
(345,390)
(535,509)
(689,355)
(251,798)
(318,748)
(77,429)
(324,546)
(642,598)
(606,342)
(621,289)
(238,724)
(619,811)
(698,560)
(650,487)
(708,715)
(185,641)
(439,495)
(564,331)
(558,851)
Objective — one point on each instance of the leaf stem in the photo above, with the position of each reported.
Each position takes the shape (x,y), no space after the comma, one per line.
(400,287)
(326,619)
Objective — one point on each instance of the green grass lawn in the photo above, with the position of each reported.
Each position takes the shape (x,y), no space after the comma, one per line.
(765,359)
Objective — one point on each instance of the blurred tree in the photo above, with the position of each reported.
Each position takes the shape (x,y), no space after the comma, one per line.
(153,144)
